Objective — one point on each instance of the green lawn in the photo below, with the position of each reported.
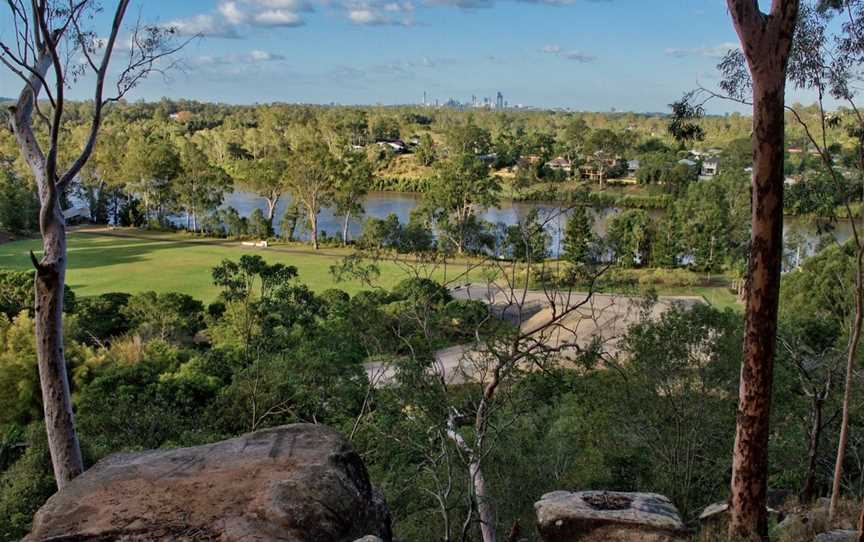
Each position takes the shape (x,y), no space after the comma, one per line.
(136,261)
(112,261)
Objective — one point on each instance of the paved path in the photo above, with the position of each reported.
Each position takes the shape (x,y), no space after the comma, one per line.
(600,317)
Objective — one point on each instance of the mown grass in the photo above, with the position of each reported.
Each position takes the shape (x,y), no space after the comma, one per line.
(128,260)
(163,262)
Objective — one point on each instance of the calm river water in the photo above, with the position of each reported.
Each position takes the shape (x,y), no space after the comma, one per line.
(381,204)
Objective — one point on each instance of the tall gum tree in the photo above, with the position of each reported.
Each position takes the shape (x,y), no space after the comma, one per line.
(45,34)
(766,40)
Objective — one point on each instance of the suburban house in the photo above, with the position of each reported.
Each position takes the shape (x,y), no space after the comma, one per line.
(710,166)
(77,215)
(396,145)
(560,164)
(597,167)
(633,166)
(687,162)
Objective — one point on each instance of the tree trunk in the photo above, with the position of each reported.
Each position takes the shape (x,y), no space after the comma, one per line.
(485,510)
(345,229)
(50,285)
(766,40)
(851,355)
(272,201)
(313,223)
(809,486)
(750,460)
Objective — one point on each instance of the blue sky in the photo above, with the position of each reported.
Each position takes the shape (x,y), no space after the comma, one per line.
(596,55)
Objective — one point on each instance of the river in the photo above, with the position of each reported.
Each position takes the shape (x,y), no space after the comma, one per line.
(381,204)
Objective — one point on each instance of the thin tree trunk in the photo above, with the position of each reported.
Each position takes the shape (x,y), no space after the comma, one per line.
(50,286)
(809,486)
(851,355)
(485,510)
(313,223)
(50,282)
(345,229)
(766,41)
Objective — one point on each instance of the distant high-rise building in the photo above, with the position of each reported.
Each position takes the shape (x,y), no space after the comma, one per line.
(499,101)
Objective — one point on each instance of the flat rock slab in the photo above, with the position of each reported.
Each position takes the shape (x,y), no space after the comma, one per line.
(295,483)
(595,516)
(837,536)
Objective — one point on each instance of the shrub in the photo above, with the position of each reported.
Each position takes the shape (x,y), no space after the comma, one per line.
(17,292)
(25,486)
(669,277)
(102,317)
(422,290)
(169,316)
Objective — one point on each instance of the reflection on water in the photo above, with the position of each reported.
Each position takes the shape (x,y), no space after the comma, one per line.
(381,204)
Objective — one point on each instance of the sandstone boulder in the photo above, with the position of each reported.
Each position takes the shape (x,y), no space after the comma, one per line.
(837,536)
(595,516)
(293,483)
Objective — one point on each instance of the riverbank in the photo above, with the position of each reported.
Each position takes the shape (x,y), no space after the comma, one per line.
(131,260)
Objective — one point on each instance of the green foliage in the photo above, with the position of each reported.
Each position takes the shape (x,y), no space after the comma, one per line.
(704,220)
(528,241)
(630,234)
(462,185)
(19,206)
(422,291)
(259,226)
(822,286)
(579,236)
(25,486)
(20,396)
(100,318)
(686,367)
(18,293)
(168,317)
(155,402)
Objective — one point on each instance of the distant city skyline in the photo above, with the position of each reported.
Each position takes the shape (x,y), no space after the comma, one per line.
(588,55)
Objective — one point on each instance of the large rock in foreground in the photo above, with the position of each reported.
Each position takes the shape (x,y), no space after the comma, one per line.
(595,516)
(292,483)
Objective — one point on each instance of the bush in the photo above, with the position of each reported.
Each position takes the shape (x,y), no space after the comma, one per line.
(423,291)
(102,317)
(669,277)
(400,184)
(18,290)
(465,315)
(19,208)
(26,486)
(171,316)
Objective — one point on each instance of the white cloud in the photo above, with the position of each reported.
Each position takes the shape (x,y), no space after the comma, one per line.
(576,56)
(380,13)
(232,13)
(203,25)
(277,17)
(717,51)
(290,5)
(252,57)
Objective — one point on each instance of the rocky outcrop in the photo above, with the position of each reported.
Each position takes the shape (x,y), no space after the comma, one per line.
(837,536)
(595,516)
(292,483)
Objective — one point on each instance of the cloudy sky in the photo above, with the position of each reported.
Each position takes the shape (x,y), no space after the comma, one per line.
(596,55)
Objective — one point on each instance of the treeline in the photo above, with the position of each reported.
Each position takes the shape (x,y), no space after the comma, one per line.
(172,163)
